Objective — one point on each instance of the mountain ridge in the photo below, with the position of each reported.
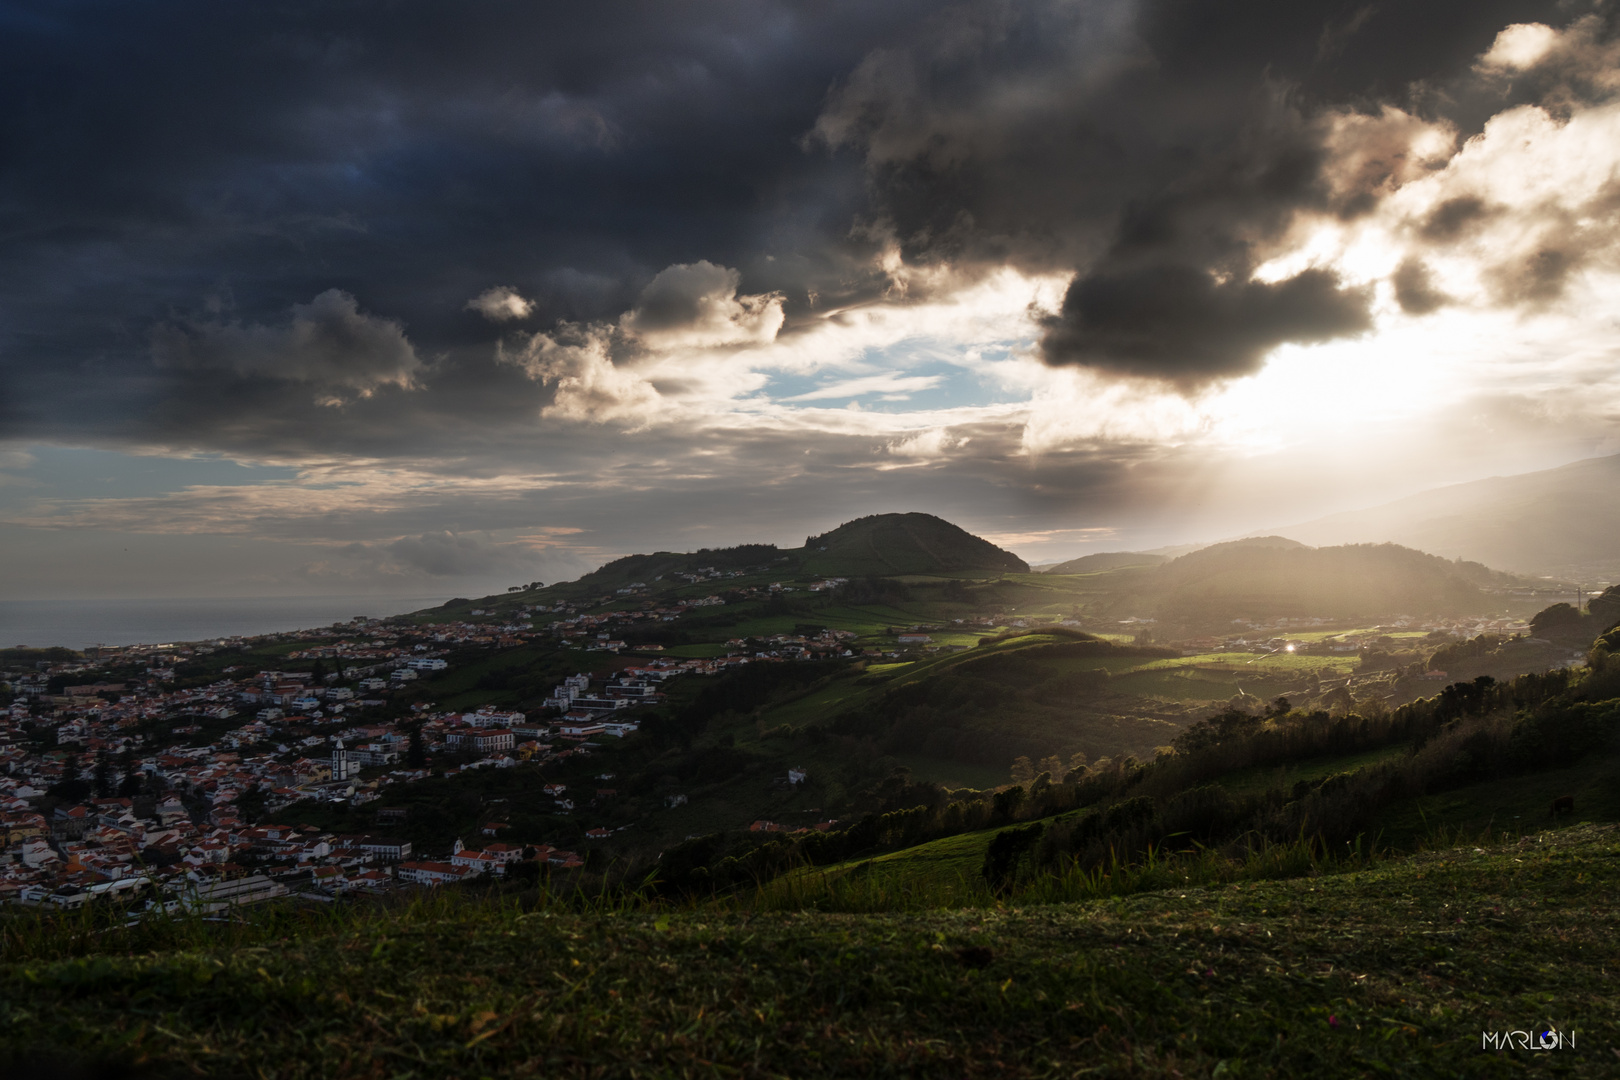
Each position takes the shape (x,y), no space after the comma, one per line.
(876,545)
(1559,522)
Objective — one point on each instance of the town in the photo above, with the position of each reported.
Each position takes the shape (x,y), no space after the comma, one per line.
(107,792)
(169,787)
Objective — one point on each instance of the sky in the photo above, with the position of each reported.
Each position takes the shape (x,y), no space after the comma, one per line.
(412,298)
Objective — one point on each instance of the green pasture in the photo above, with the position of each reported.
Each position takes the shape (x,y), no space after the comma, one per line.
(1284,663)
(953,774)
(703,651)
(1260,779)
(820,705)
(945,871)
(1366,631)
(1188,684)
(530,669)
(1390,969)
(1510,806)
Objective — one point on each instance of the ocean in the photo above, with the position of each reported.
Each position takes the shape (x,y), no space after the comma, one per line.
(80,623)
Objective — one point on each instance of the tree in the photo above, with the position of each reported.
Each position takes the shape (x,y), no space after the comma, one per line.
(1231,725)
(415,752)
(1555,616)
(131,785)
(104,775)
(70,787)
(1605,607)
(1023,770)
(250,804)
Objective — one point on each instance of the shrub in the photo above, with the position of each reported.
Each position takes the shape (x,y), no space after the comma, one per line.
(1202,813)
(1557,734)
(1007,851)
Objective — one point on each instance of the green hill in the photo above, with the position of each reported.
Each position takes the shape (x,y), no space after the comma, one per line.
(1034,694)
(1105,560)
(761,558)
(890,544)
(1271,576)
(1394,969)
(1272,897)
(1561,521)
(882,545)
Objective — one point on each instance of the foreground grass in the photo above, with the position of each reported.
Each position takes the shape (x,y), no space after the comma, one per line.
(1393,969)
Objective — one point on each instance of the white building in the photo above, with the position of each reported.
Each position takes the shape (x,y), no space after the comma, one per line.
(345,765)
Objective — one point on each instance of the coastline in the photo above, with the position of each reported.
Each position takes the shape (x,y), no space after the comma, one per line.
(79,624)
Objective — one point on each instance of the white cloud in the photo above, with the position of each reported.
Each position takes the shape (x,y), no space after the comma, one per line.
(501,304)
(933,443)
(893,384)
(696,306)
(1520,46)
(577,362)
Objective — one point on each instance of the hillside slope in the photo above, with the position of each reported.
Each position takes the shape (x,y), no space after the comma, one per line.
(882,545)
(1268,577)
(1396,970)
(1560,521)
(1105,560)
(904,544)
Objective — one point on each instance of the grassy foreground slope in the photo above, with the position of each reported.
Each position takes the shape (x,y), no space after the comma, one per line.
(1396,969)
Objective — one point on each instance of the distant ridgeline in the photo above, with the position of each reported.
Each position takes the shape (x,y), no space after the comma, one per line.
(1258,578)
(1559,521)
(648,567)
(879,545)
(1106,560)
(1271,576)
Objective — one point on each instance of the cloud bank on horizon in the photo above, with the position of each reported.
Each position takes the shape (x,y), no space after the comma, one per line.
(309,297)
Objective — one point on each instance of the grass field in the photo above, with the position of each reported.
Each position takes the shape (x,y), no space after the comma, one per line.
(1395,969)
(1199,684)
(948,870)
(1274,663)
(699,652)
(953,774)
(1510,804)
(1283,777)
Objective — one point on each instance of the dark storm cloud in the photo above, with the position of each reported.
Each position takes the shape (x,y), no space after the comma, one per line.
(1451,219)
(682,296)
(1415,290)
(1177,323)
(190,164)
(1162,144)
(187,172)
(329,343)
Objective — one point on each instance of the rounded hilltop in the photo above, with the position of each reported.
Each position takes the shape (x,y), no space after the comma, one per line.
(905,544)
(876,545)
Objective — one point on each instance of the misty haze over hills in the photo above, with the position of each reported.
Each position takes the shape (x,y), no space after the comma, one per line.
(1561,522)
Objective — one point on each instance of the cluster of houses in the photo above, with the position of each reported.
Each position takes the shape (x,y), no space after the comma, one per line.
(466,863)
(597,631)
(157,813)
(177,821)
(177,856)
(181,856)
